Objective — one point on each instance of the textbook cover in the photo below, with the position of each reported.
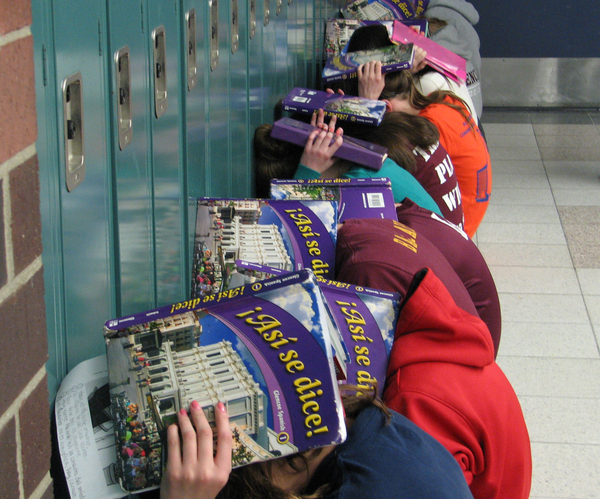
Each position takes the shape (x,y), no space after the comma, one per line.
(263,350)
(438,57)
(393,58)
(379,10)
(367,320)
(358,151)
(290,235)
(344,107)
(356,197)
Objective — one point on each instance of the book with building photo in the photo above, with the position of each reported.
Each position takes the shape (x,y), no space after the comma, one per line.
(261,349)
(392,57)
(344,107)
(379,10)
(365,319)
(358,151)
(290,235)
(356,197)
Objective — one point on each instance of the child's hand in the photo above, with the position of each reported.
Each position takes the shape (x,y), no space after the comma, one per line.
(321,144)
(419,61)
(370,80)
(194,472)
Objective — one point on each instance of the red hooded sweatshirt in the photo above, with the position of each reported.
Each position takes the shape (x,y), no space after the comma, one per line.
(442,376)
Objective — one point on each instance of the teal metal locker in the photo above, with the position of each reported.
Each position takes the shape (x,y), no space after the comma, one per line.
(130,117)
(239,120)
(75,180)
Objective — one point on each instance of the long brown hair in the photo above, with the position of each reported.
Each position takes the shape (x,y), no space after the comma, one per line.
(400,133)
(254,482)
(402,84)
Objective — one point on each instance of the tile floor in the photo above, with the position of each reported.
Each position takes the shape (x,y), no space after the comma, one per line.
(541,239)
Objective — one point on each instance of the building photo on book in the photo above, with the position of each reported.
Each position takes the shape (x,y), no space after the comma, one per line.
(392,58)
(290,235)
(344,107)
(264,350)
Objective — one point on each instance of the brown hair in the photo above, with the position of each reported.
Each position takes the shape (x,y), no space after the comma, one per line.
(400,133)
(253,481)
(272,158)
(402,84)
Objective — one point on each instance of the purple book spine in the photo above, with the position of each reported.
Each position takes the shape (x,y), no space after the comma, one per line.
(358,151)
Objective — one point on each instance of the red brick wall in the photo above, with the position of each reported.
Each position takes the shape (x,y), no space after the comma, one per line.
(24,410)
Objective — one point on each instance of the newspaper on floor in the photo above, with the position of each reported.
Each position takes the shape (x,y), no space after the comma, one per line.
(86,438)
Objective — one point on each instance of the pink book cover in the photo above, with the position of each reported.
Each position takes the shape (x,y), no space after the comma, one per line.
(438,57)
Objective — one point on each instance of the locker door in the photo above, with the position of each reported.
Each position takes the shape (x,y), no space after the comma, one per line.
(283,61)
(238,98)
(168,171)
(194,130)
(75,182)
(129,103)
(257,101)
(269,55)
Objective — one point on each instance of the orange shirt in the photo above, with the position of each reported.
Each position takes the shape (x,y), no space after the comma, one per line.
(470,157)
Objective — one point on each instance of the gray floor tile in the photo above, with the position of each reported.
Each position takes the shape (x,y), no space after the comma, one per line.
(557,309)
(523,197)
(518,233)
(582,234)
(584,175)
(515,166)
(505,121)
(585,256)
(535,339)
(497,213)
(579,214)
(548,377)
(569,153)
(503,180)
(551,420)
(565,471)
(589,280)
(521,140)
(567,140)
(560,117)
(542,280)
(531,255)
(521,153)
(562,131)
(576,197)
(592,303)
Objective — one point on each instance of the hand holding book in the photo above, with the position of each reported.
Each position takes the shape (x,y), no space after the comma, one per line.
(192,472)
(322,144)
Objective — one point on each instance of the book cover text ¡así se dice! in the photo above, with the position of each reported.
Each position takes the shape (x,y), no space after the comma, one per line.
(262,349)
(289,235)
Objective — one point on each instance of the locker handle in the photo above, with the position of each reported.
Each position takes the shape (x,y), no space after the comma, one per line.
(278,8)
(214,34)
(123,83)
(252,19)
(267,11)
(73,129)
(192,68)
(160,71)
(235,28)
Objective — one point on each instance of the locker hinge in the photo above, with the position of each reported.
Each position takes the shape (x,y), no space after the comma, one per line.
(44,65)
(99,39)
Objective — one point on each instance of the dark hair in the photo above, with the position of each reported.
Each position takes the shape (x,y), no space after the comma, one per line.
(253,481)
(272,158)
(400,133)
(372,36)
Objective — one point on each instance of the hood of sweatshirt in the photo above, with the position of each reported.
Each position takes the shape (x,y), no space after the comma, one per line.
(462,7)
(432,328)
